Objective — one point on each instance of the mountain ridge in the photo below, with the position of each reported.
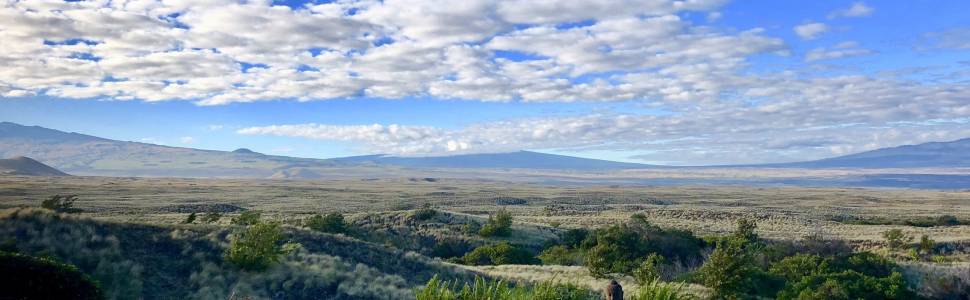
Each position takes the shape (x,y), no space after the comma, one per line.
(26,166)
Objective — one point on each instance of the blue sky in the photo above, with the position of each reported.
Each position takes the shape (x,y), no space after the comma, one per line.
(710,82)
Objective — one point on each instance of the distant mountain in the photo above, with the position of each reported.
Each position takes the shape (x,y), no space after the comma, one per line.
(28,167)
(926,155)
(245,151)
(511,160)
(82,154)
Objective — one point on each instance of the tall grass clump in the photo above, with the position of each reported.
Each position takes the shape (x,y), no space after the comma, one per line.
(658,290)
(485,289)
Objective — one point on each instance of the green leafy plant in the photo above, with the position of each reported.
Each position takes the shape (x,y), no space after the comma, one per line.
(731,268)
(211,217)
(649,269)
(895,238)
(426,212)
(331,223)
(256,248)
(499,224)
(499,254)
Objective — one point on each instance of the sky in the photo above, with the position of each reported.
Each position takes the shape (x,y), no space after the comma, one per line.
(694,82)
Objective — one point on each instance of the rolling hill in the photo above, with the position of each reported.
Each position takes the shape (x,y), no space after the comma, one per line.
(926,155)
(26,166)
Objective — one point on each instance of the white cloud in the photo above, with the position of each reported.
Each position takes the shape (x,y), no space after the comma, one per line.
(858,9)
(810,31)
(187,140)
(841,50)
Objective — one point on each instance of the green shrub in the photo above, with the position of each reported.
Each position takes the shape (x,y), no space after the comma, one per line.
(926,245)
(256,248)
(561,255)
(848,285)
(247,218)
(619,249)
(731,270)
(793,268)
(895,238)
(61,203)
(190,219)
(499,224)
(550,290)
(425,213)
(649,269)
(499,254)
(28,277)
(657,290)
(331,223)
(573,238)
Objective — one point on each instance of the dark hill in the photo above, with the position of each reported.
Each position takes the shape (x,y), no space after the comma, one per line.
(26,166)
(926,155)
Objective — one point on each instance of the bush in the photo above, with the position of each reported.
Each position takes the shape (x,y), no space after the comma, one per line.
(498,225)
(895,238)
(28,277)
(331,223)
(425,213)
(561,255)
(619,249)
(657,290)
(731,270)
(648,271)
(190,219)
(247,218)
(256,248)
(550,290)
(61,204)
(926,245)
(847,285)
(499,254)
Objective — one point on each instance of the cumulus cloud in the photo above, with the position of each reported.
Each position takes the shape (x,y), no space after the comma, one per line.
(858,9)
(810,31)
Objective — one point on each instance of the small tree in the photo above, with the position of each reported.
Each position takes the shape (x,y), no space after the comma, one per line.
(331,223)
(731,267)
(61,203)
(499,224)
(426,212)
(189,219)
(649,269)
(895,238)
(926,245)
(248,217)
(256,248)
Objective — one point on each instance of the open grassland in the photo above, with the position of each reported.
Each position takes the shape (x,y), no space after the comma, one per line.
(782,212)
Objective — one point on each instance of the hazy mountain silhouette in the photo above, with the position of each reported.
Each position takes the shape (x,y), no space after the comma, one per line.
(926,155)
(510,160)
(26,166)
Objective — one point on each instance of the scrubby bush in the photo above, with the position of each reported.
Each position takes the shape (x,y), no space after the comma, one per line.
(499,254)
(895,238)
(926,245)
(731,271)
(847,285)
(256,248)
(499,224)
(425,213)
(190,219)
(561,255)
(28,277)
(331,223)
(619,249)
(649,269)
(247,218)
(61,203)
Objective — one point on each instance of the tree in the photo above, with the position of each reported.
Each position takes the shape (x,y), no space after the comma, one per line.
(256,248)
(248,217)
(189,219)
(895,238)
(649,269)
(499,254)
(331,223)
(61,203)
(731,268)
(499,224)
